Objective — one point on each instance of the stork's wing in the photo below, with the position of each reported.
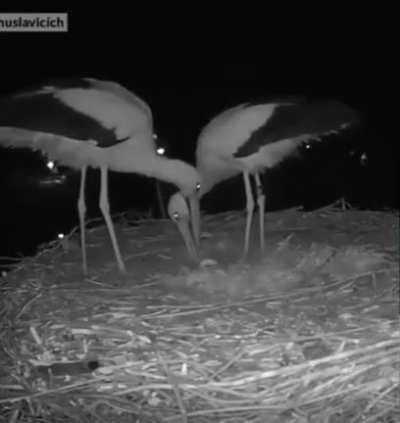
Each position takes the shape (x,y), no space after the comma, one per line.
(100,110)
(65,150)
(309,120)
(122,92)
(44,112)
(20,138)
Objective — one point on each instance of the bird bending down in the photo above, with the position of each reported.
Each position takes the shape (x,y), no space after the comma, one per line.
(88,122)
(249,138)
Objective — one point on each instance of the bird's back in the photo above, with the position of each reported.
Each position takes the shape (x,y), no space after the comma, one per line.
(256,136)
(81,109)
(75,122)
(227,131)
(222,137)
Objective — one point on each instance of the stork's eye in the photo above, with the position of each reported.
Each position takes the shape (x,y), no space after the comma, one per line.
(198,186)
(175,216)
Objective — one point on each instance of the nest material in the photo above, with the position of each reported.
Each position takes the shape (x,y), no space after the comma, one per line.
(309,333)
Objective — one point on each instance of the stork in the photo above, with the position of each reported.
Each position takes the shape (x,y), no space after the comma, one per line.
(88,122)
(250,138)
(161,150)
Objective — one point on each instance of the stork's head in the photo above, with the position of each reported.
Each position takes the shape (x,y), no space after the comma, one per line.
(184,210)
(190,188)
(183,207)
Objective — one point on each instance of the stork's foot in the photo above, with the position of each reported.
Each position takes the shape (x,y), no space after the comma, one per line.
(120,262)
(122,268)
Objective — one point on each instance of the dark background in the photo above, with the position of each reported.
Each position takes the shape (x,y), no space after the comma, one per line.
(189,65)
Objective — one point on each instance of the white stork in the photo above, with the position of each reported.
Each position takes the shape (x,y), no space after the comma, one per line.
(89,122)
(249,138)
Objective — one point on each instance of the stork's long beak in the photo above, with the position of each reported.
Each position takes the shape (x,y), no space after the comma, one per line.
(194,206)
(184,229)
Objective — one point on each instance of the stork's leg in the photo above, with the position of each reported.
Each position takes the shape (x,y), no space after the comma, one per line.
(82,213)
(250,209)
(261,208)
(105,209)
(160,200)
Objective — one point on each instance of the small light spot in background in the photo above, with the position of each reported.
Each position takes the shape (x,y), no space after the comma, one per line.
(50,164)
(364,159)
(160,151)
(60,236)
(155,136)
(308,146)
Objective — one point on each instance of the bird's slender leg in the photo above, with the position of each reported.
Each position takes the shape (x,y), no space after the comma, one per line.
(160,200)
(250,209)
(261,208)
(82,213)
(105,209)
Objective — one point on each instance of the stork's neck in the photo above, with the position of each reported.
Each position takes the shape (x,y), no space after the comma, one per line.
(177,172)
(148,163)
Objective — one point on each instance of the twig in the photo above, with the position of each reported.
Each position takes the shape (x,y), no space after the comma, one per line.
(26,305)
(174,384)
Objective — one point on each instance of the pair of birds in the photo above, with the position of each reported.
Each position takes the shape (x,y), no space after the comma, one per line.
(90,122)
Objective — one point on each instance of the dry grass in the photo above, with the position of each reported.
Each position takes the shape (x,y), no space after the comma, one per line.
(308,333)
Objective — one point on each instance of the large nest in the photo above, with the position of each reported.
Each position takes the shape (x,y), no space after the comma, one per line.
(307,332)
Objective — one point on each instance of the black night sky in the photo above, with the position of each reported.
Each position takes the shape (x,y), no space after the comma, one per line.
(188,72)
